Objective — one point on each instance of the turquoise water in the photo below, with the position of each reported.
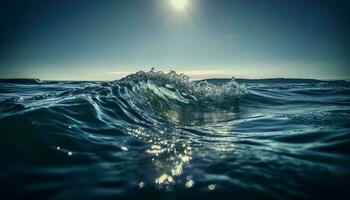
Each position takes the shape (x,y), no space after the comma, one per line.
(156,135)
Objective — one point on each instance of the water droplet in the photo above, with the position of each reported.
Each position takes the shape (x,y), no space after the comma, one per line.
(124,148)
(164,179)
(141,185)
(70,153)
(189,183)
(58,148)
(211,187)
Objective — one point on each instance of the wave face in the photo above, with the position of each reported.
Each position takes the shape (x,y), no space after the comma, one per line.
(160,135)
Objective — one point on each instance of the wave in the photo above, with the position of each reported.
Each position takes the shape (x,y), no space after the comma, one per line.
(162,110)
(169,94)
(181,86)
(23,81)
(157,95)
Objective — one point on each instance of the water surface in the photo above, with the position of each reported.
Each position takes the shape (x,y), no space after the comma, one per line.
(155,135)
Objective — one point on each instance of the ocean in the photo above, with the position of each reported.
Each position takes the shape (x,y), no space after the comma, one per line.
(155,135)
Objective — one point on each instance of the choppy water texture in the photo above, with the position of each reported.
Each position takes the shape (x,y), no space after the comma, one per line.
(154,135)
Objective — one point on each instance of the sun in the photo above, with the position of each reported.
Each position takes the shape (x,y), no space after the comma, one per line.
(179,4)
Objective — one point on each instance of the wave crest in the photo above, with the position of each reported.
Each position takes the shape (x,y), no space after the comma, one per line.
(182,86)
(174,97)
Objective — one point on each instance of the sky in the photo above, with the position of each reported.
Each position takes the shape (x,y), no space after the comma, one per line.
(106,40)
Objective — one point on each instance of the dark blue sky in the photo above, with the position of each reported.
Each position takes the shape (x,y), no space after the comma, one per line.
(63,39)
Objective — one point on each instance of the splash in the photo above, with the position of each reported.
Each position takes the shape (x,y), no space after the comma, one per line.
(179,86)
(175,98)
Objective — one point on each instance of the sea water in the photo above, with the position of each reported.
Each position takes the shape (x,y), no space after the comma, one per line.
(158,135)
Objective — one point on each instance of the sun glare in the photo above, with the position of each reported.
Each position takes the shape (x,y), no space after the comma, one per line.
(179,4)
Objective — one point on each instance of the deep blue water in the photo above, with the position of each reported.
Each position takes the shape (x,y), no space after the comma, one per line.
(154,135)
